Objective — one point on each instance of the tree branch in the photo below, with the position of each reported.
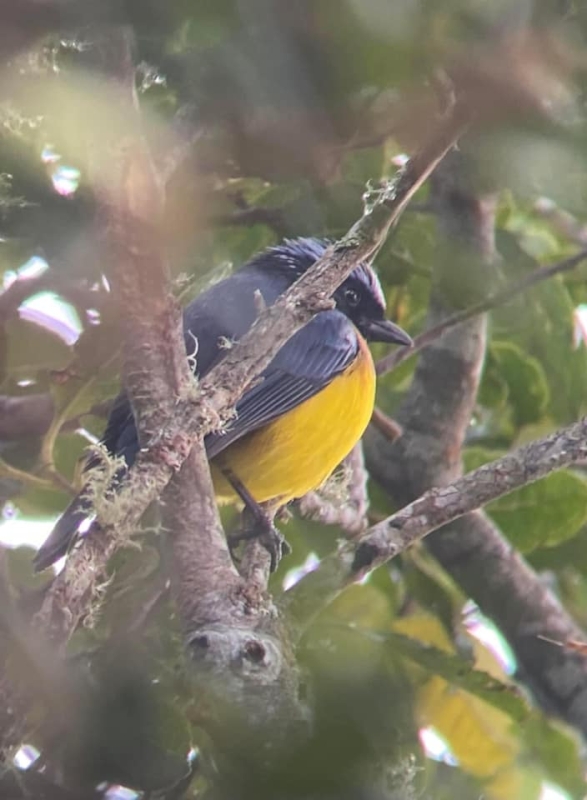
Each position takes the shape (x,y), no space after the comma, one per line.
(246,673)
(428,454)
(507,590)
(433,509)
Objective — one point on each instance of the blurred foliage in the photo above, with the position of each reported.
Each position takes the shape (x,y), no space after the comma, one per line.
(296,106)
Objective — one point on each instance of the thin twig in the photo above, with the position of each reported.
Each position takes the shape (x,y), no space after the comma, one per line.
(391,429)
(393,360)
(46,456)
(26,478)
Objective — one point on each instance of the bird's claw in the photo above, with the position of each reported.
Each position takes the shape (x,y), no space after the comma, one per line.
(276,545)
(259,526)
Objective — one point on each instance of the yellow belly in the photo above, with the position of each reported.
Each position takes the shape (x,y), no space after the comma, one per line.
(297,452)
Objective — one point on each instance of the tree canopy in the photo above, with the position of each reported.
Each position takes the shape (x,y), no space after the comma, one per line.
(424,636)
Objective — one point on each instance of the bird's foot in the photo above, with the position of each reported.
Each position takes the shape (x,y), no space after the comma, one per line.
(257,524)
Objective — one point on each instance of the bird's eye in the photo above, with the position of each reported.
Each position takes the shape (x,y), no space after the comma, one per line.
(352,297)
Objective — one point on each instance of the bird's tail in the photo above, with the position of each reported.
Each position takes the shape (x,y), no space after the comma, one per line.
(63,534)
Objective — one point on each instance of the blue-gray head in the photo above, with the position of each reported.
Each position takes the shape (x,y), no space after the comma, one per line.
(360,297)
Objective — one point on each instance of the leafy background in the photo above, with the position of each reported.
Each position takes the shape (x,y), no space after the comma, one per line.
(298,110)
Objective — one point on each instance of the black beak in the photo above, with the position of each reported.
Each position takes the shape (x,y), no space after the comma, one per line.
(382,330)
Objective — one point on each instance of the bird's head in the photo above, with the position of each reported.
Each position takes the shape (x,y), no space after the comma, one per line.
(360,297)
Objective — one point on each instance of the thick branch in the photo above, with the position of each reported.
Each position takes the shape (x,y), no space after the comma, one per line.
(203,572)
(244,659)
(231,631)
(156,372)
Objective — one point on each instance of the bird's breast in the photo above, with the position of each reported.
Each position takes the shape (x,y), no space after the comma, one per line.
(297,452)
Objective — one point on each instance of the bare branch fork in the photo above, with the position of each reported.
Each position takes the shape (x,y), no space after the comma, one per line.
(434,508)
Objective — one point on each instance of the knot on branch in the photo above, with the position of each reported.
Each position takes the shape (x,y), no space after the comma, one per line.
(255,651)
(250,657)
(365,555)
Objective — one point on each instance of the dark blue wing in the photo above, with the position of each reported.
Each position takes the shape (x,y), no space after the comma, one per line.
(306,364)
(225,311)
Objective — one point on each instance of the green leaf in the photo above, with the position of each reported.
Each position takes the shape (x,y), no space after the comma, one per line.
(493,391)
(429,585)
(544,513)
(566,366)
(524,376)
(363,606)
(475,457)
(36,502)
(20,573)
(462,674)
(557,750)
(571,557)
(540,321)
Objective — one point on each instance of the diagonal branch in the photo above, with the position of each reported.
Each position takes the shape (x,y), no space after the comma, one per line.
(393,360)
(472,549)
(433,509)
(195,414)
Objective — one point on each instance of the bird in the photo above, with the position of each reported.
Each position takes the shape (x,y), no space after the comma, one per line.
(310,406)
